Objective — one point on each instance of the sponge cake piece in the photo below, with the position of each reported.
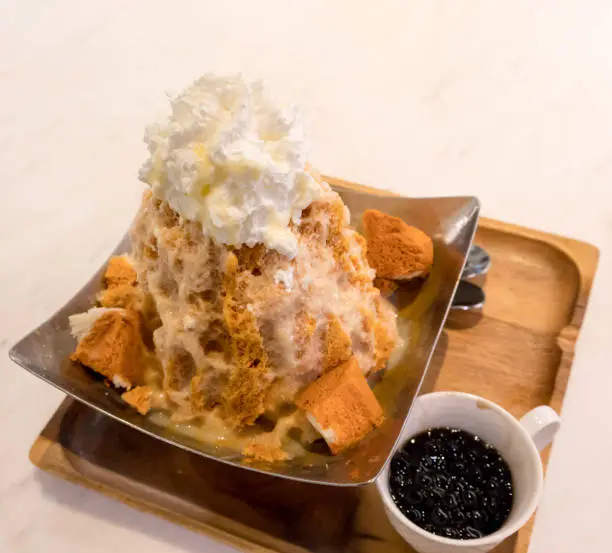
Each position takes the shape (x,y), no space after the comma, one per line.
(341,406)
(396,250)
(111,344)
(119,271)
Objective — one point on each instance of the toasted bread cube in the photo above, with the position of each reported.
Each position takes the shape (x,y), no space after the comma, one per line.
(341,406)
(139,398)
(119,271)
(396,250)
(113,347)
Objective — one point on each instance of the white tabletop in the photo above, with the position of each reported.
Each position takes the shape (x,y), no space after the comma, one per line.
(510,101)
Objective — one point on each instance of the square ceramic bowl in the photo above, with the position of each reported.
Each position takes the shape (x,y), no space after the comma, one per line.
(451,222)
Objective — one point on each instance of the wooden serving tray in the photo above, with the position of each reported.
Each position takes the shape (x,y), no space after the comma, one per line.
(519,354)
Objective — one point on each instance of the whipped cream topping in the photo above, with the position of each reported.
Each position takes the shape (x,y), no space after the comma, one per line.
(230,158)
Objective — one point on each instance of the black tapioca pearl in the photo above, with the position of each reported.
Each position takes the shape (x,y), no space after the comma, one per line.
(451,483)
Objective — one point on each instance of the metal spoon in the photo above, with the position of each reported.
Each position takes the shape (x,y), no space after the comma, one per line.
(477,263)
(469,296)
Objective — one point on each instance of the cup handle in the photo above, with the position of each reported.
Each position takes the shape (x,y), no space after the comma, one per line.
(541,423)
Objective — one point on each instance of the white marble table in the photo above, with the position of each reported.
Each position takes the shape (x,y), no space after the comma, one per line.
(511,101)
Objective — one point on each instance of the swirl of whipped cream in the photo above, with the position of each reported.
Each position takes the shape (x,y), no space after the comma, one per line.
(230,158)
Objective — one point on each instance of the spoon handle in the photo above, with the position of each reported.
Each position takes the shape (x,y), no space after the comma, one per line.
(468,297)
(478,262)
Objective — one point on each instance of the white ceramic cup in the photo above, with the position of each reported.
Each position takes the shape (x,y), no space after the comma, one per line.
(518,442)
